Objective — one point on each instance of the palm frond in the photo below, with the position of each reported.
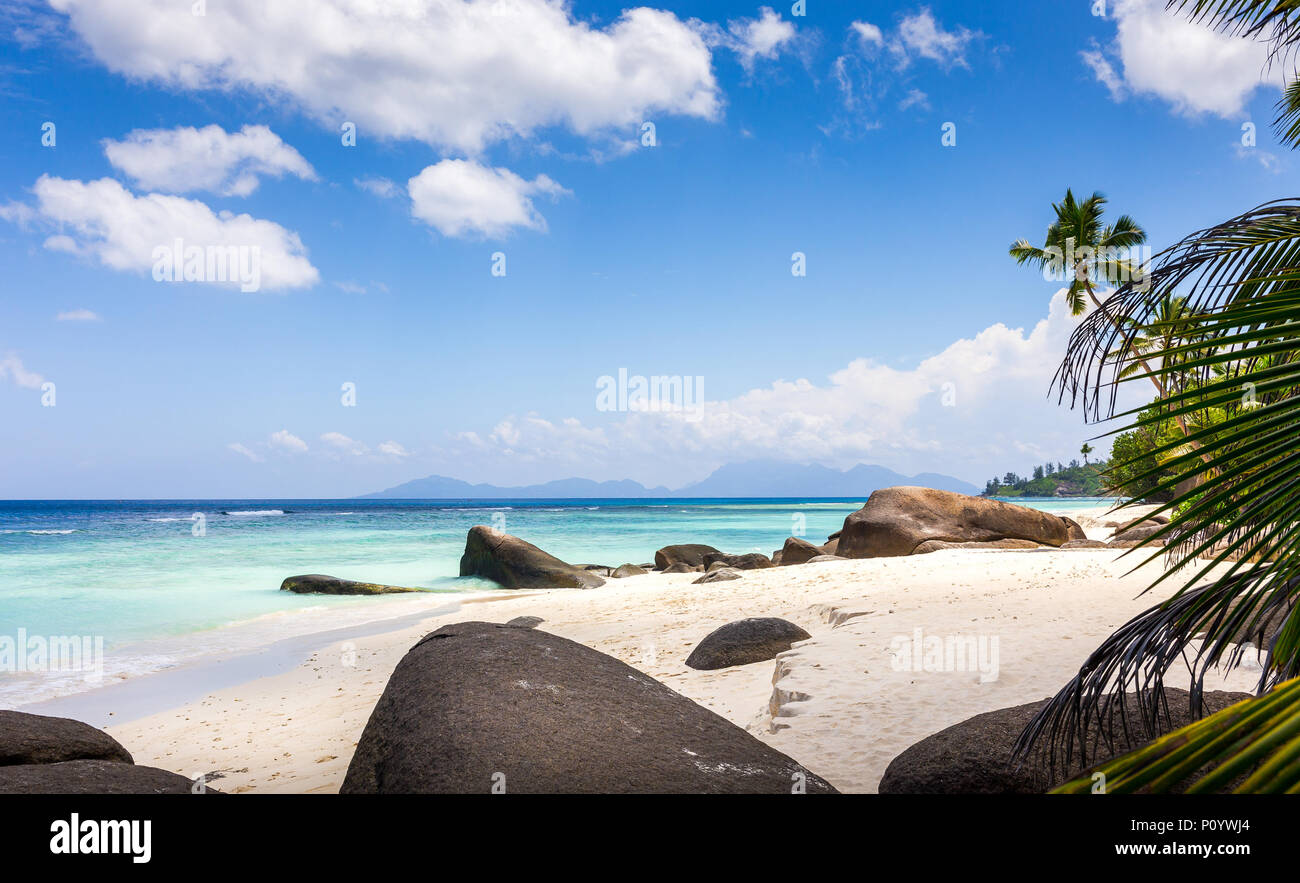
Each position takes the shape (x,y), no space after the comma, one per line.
(1254,743)
(1219,320)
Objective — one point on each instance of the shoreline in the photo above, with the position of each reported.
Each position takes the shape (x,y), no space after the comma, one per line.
(148,693)
(837,703)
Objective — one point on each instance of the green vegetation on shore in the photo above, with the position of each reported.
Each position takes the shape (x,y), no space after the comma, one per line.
(1052,480)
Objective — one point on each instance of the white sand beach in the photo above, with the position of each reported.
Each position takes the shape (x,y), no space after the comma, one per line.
(841,703)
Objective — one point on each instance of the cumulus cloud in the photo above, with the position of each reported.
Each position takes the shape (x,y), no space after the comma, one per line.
(341,443)
(977,408)
(455,74)
(1196,69)
(77,316)
(13,370)
(463,198)
(286,441)
(104,221)
(186,159)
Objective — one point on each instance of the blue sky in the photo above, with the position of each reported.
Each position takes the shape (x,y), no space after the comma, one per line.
(519,132)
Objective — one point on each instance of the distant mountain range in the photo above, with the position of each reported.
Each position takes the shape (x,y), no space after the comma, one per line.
(757,478)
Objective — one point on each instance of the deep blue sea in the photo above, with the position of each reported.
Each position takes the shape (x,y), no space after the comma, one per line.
(159,585)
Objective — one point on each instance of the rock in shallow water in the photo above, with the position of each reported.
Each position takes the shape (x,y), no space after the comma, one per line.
(475,704)
(36,739)
(319,584)
(748,640)
(516,564)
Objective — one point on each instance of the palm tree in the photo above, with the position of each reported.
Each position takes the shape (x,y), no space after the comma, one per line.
(1086,252)
(1235,538)
(1081,249)
(1086,450)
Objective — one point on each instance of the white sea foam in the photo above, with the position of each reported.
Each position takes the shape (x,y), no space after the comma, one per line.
(39,533)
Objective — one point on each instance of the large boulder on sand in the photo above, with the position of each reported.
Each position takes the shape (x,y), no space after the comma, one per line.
(682,567)
(721,575)
(476,705)
(515,564)
(1074,529)
(974,756)
(896,520)
(690,554)
(940,546)
(797,551)
(626,570)
(93,777)
(747,561)
(35,739)
(748,640)
(1135,534)
(319,584)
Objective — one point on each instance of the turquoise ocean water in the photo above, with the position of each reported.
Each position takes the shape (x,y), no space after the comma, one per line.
(135,575)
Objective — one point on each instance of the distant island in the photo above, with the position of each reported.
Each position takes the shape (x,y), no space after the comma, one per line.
(753,479)
(1053,480)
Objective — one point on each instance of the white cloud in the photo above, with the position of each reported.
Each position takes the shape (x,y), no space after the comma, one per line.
(996,383)
(77,316)
(287,441)
(762,37)
(12,369)
(378,186)
(868,33)
(187,159)
(455,74)
(340,442)
(393,449)
(863,77)
(462,198)
(103,220)
(920,34)
(1193,67)
(915,98)
(244,452)
(1104,71)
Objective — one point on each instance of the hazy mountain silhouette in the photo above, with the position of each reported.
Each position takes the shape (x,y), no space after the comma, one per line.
(756,478)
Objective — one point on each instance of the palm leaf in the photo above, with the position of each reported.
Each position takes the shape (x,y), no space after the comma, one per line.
(1261,734)
(1227,302)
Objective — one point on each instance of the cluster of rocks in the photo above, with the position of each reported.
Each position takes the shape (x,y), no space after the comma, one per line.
(894,521)
(480,707)
(55,755)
